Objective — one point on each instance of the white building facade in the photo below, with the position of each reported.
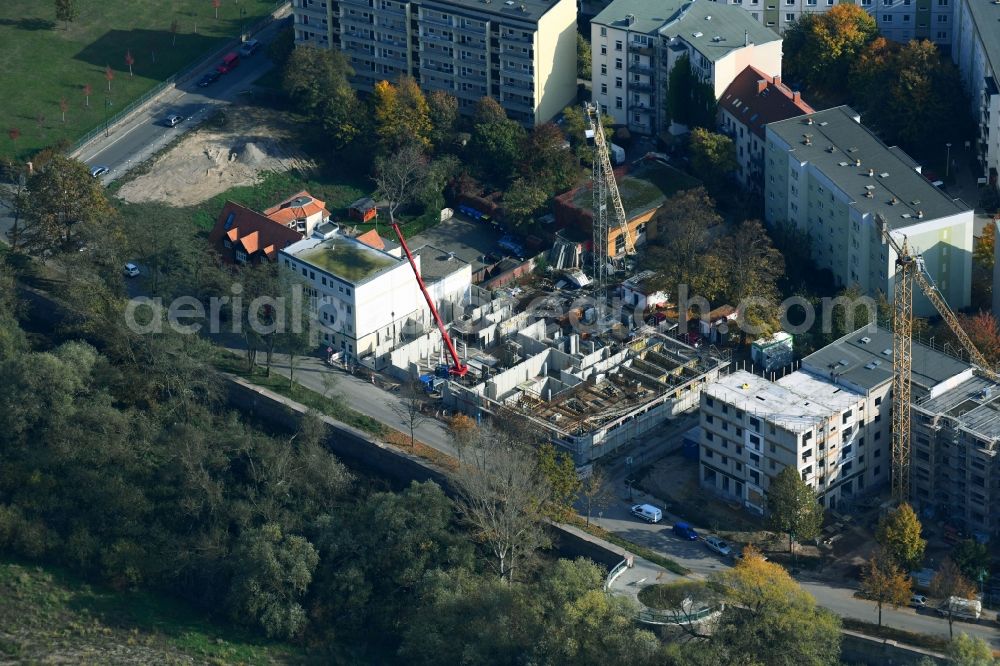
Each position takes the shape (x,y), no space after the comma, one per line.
(829,176)
(523,54)
(636,43)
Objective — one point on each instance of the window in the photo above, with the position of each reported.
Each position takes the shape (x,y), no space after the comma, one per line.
(618,83)
(604,49)
(942,3)
(708,418)
(241,257)
(710,402)
(942,18)
(708,452)
(878,453)
(604,70)
(878,401)
(886,18)
(755,424)
(618,63)
(604,88)
(604,32)
(877,470)
(774,449)
(618,45)
(878,436)
(227,243)
(618,102)
(942,35)
(709,436)
(789,17)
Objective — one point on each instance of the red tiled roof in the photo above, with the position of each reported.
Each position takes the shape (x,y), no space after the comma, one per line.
(756,99)
(251,230)
(298,206)
(371,239)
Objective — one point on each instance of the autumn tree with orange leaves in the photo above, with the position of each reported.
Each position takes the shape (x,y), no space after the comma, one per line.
(820,48)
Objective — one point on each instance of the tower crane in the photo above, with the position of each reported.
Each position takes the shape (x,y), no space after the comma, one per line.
(604,186)
(910,268)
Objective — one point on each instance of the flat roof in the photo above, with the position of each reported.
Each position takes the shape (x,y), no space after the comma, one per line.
(798,402)
(893,176)
(343,258)
(533,9)
(436,264)
(985,15)
(720,28)
(868,364)
(974,405)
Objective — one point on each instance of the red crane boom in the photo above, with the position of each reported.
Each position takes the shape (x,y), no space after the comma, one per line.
(458,368)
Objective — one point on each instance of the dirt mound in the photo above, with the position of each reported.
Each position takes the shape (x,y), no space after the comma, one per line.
(210,160)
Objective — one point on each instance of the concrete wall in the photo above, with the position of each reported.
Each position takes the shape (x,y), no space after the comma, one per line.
(555,61)
(765,57)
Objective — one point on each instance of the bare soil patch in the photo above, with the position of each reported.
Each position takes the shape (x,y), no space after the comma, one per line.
(211,159)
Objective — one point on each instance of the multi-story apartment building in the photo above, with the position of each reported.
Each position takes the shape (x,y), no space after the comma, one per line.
(751,101)
(898,20)
(363,293)
(832,420)
(636,43)
(753,428)
(522,53)
(829,176)
(976,51)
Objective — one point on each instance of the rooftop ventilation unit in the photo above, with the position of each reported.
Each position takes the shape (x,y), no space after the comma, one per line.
(831,149)
(884,174)
(886,352)
(844,163)
(893,201)
(708,17)
(920,214)
(871,173)
(869,187)
(809,121)
(857,162)
(824,124)
(697,34)
(865,340)
(716,39)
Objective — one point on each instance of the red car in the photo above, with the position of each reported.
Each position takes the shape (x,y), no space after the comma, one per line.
(229,63)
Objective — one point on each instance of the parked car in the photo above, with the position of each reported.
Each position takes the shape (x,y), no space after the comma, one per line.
(131,270)
(249,47)
(173,120)
(918,601)
(718,545)
(962,609)
(229,62)
(99,171)
(647,512)
(685,531)
(209,79)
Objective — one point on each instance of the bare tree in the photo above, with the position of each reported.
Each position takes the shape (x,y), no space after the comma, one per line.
(174,25)
(399,176)
(63,107)
(215,5)
(949,582)
(87,90)
(410,408)
(595,490)
(109,74)
(129,60)
(502,493)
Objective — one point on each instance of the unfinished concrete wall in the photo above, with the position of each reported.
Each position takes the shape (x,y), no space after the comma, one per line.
(425,350)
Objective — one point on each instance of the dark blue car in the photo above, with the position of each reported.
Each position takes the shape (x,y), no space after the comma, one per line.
(685,531)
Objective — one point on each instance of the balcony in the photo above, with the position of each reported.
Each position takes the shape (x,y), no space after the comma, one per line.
(468,29)
(438,38)
(436,69)
(642,87)
(434,20)
(313,11)
(519,74)
(640,49)
(517,105)
(518,54)
(505,37)
(518,87)
(357,3)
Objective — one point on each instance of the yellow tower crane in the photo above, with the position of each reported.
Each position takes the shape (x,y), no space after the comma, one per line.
(910,268)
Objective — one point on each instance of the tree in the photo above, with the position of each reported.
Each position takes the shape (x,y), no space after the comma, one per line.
(690,101)
(584,58)
(174,27)
(399,177)
(753,267)
(522,200)
(793,507)
(67,10)
(14,133)
(545,160)
(684,252)
(215,5)
(502,492)
(462,429)
(129,60)
(63,107)
(949,582)
(898,533)
(884,582)
(402,114)
(595,490)
(982,329)
(443,111)
(65,202)
(410,408)
(319,81)
(771,620)
(965,650)
(713,156)
(972,558)
(87,92)
(559,471)
(495,145)
(983,252)
(109,74)
(272,572)
(820,48)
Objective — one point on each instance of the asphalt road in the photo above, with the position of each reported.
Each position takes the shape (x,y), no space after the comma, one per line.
(840,599)
(131,143)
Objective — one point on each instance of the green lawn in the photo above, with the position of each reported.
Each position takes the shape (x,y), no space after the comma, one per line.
(44,62)
(47,614)
(645,187)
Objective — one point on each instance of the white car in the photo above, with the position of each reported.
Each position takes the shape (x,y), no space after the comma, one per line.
(131,270)
(99,171)
(918,601)
(718,545)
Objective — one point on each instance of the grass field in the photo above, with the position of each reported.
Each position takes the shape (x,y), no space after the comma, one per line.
(44,61)
(47,616)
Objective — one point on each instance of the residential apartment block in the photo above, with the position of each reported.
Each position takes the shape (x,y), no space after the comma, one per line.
(364,295)
(829,176)
(898,20)
(751,101)
(636,43)
(522,53)
(832,420)
(976,51)
(753,428)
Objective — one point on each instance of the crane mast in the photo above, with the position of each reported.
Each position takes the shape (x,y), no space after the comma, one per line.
(910,268)
(605,186)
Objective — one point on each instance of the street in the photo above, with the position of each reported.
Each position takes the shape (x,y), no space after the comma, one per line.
(134,141)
